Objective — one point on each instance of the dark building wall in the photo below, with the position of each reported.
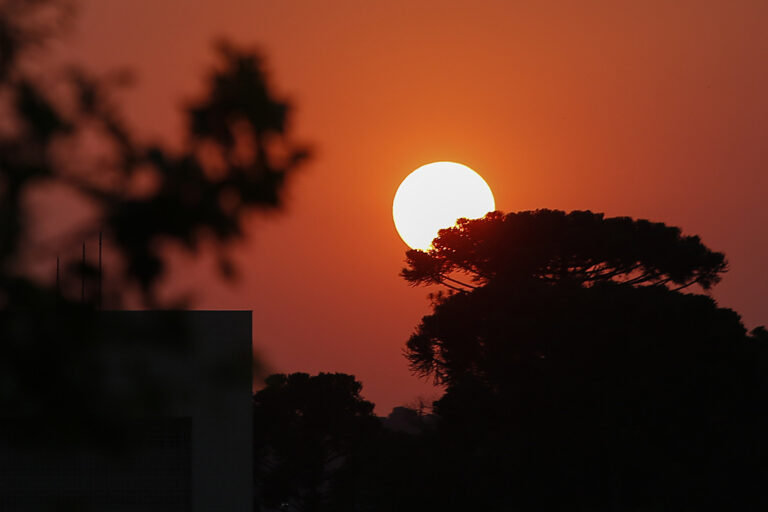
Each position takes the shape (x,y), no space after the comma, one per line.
(174,432)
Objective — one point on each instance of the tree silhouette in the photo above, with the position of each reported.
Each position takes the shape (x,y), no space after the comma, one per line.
(569,352)
(236,157)
(533,258)
(306,429)
(552,246)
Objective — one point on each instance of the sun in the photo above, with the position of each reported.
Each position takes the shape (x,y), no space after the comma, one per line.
(434,197)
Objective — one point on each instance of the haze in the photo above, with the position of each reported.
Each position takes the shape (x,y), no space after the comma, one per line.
(654,110)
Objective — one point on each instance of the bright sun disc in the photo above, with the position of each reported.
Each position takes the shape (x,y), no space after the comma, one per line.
(434,197)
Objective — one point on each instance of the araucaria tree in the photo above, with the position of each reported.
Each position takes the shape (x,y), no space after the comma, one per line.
(572,349)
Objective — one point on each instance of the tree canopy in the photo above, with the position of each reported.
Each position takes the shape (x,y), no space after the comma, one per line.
(554,246)
(306,428)
(569,348)
(536,277)
(65,128)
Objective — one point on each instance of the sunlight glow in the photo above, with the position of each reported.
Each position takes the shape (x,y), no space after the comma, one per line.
(434,197)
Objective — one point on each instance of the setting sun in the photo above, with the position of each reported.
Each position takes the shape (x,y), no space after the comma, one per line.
(434,197)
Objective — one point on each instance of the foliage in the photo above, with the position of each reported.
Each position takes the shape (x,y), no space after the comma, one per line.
(554,246)
(235,158)
(579,376)
(305,430)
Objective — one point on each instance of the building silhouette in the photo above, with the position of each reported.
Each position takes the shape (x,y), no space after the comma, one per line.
(171,428)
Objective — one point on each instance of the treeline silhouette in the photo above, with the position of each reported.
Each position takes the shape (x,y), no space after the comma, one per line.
(579,373)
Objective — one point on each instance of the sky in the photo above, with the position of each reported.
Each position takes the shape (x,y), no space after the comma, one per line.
(654,110)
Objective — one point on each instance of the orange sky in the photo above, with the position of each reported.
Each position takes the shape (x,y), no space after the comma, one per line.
(649,109)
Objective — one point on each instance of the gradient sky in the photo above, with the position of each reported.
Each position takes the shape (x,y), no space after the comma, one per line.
(655,110)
